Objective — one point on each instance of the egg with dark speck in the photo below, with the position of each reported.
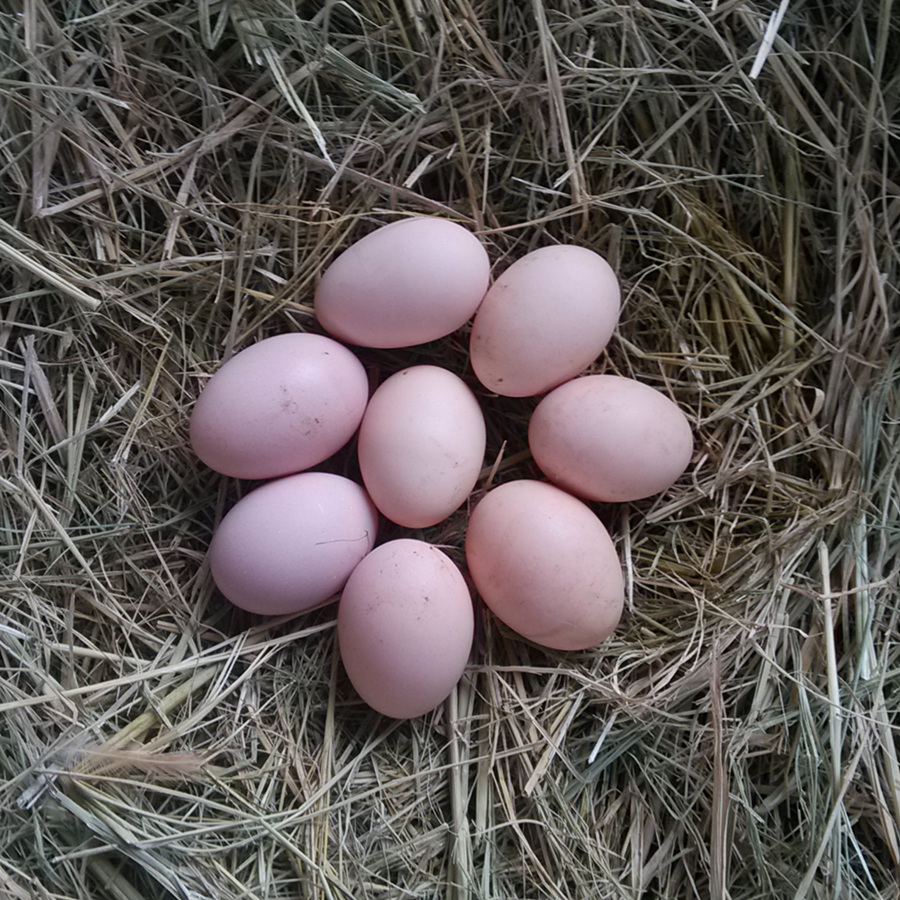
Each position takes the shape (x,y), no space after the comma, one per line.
(280,406)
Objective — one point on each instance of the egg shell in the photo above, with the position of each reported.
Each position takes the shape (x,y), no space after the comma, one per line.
(407,283)
(610,438)
(290,544)
(545,565)
(405,627)
(545,319)
(421,445)
(281,406)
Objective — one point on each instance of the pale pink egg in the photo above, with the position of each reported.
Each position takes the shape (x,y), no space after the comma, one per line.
(545,319)
(609,438)
(405,627)
(407,283)
(421,445)
(291,544)
(545,565)
(282,405)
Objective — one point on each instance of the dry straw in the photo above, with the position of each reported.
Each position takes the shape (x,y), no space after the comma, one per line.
(175,176)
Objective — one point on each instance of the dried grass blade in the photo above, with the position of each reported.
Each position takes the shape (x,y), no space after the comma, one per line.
(837,810)
(54,279)
(96,762)
(41,384)
(258,48)
(720,845)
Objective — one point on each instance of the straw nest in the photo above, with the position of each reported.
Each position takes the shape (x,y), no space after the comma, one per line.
(174,179)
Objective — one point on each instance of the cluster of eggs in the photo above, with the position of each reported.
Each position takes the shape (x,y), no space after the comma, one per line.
(537,554)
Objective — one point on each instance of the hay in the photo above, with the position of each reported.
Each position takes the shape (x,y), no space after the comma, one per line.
(175,177)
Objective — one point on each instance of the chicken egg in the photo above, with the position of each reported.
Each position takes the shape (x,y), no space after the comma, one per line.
(421,445)
(290,544)
(545,565)
(610,438)
(544,320)
(281,406)
(407,283)
(405,627)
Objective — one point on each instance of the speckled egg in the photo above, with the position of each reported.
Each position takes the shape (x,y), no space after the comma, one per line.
(279,407)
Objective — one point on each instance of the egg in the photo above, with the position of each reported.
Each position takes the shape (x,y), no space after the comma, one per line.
(610,438)
(281,406)
(421,445)
(291,544)
(407,283)
(545,565)
(405,627)
(545,319)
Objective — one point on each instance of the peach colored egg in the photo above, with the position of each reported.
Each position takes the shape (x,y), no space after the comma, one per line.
(605,437)
(421,445)
(545,319)
(290,544)
(545,565)
(407,283)
(280,406)
(405,627)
